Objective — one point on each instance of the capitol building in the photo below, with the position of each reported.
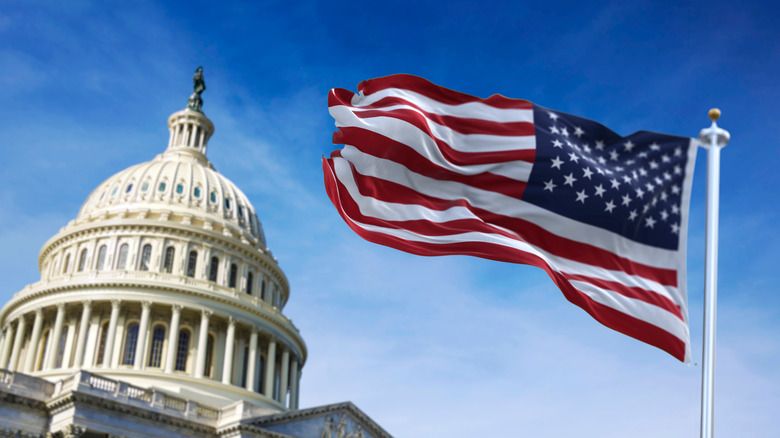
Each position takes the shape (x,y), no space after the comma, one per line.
(160,313)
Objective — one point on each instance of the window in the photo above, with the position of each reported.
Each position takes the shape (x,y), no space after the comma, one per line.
(179,188)
(227,203)
(145,186)
(197,192)
(192,262)
(262,290)
(245,364)
(249,280)
(113,192)
(129,187)
(102,343)
(214,197)
(240,211)
(61,346)
(131,341)
(161,187)
(232,276)
(83,259)
(42,352)
(209,352)
(168,263)
(101,261)
(122,259)
(146,256)
(213,268)
(66,265)
(182,350)
(158,338)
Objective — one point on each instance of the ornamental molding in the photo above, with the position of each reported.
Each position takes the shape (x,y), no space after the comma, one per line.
(345,407)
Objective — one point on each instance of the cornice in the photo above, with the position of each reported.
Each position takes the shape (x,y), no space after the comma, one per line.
(349,407)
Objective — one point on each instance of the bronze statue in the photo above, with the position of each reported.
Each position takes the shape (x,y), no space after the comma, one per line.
(195,103)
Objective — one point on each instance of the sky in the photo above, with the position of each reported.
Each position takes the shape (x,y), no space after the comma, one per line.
(447,346)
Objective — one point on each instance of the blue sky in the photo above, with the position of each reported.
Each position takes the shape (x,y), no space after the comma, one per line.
(449,346)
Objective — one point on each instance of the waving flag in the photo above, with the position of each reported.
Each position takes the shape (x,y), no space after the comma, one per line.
(432,171)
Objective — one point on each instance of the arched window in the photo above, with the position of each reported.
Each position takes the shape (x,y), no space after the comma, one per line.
(102,343)
(262,289)
(131,342)
(66,265)
(146,257)
(214,268)
(101,261)
(192,262)
(158,338)
(233,275)
(182,350)
(168,262)
(243,367)
(121,262)
(249,279)
(209,352)
(61,347)
(42,352)
(83,259)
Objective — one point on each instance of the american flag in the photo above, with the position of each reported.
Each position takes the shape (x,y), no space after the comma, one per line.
(432,171)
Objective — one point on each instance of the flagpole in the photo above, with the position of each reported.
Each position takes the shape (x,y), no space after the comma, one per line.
(713,139)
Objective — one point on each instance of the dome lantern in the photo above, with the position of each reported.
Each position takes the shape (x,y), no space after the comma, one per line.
(190,128)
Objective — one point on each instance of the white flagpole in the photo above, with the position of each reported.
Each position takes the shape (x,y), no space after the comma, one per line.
(713,139)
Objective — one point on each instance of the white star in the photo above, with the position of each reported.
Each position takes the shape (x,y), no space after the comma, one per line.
(675,209)
(640,192)
(650,187)
(645,208)
(573,157)
(599,144)
(610,207)
(677,170)
(615,183)
(630,162)
(650,222)
(653,164)
(677,152)
(629,145)
(665,158)
(633,174)
(570,180)
(642,171)
(655,147)
(664,196)
(557,143)
(578,131)
(667,176)
(586,148)
(658,181)
(675,228)
(664,214)
(643,154)
(587,172)
(556,163)
(619,168)
(549,185)
(602,160)
(552,115)
(600,191)
(632,215)
(581,196)
(554,129)
(565,132)
(613,155)
(676,189)
(626,179)
(626,200)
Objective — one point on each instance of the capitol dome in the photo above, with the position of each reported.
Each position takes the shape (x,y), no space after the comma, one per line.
(163,281)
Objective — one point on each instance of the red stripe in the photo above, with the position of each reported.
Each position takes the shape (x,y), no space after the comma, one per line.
(523,230)
(458,124)
(371,143)
(626,324)
(441,94)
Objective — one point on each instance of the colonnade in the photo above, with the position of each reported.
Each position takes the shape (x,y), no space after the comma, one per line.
(111,334)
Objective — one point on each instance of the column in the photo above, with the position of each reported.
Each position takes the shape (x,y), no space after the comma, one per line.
(18,339)
(69,342)
(251,367)
(203,337)
(35,338)
(173,338)
(283,378)
(54,340)
(8,338)
(294,384)
(143,327)
(83,326)
(109,348)
(270,362)
(227,367)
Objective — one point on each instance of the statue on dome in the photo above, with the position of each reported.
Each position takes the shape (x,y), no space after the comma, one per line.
(195,103)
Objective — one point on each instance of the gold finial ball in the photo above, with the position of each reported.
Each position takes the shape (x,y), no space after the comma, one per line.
(714,114)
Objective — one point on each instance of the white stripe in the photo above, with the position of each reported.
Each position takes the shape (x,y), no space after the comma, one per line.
(373,207)
(471,110)
(456,140)
(655,315)
(505,205)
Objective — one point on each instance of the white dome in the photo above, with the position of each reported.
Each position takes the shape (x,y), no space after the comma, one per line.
(180,181)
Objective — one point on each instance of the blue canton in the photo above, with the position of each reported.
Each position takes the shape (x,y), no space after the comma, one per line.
(628,185)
